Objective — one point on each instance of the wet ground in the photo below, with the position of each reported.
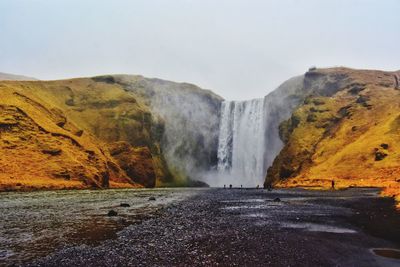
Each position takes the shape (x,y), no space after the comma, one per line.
(34,224)
(203,227)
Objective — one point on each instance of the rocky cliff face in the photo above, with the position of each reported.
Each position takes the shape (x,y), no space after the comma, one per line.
(346,130)
(190,116)
(96,132)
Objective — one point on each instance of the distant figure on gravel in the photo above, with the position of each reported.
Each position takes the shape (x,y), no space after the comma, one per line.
(268,187)
(258,186)
(241,186)
(333,184)
(224,186)
(230,186)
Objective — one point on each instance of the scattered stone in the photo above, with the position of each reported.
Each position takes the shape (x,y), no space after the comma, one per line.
(61,123)
(112,213)
(363,100)
(64,174)
(70,102)
(125,205)
(384,146)
(52,151)
(380,155)
(188,231)
(79,133)
(152,198)
(356,88)
(311,118)
(277,199)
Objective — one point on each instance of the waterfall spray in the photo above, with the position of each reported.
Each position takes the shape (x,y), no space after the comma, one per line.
(242,142)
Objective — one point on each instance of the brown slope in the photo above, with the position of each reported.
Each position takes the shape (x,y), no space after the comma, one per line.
(58,134)
(347,130)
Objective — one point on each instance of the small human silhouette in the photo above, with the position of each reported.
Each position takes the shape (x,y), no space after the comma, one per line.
(230,186)
(333,184)
(224,186)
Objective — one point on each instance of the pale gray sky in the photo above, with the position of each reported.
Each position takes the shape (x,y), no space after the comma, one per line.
(240,49)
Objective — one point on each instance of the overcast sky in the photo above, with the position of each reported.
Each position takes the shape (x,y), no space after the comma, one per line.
(240,49)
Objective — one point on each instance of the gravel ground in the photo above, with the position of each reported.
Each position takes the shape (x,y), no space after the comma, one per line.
(249,227)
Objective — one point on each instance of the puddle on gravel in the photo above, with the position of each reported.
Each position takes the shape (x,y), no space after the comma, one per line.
(257,215)
(314,227)
(256,200)
(387,252)
(263,206)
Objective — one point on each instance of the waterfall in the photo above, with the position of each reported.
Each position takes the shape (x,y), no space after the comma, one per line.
(248,139)
(241,143)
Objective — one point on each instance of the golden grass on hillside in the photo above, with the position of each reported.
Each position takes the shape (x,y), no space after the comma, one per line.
(55,134)
(351,137)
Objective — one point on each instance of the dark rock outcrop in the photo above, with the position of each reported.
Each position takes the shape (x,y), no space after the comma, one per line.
(379,155)
(136,162)
(112,213)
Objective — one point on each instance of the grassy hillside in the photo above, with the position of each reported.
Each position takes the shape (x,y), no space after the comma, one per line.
(68,134)
(347,130)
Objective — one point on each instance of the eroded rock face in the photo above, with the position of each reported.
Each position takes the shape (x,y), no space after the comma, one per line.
(190,119)
(136,162)
(36,153)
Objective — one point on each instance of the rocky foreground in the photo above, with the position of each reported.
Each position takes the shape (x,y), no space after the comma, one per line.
(249,227)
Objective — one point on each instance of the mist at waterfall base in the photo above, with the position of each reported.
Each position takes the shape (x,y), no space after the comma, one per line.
(241,143)
(248,138)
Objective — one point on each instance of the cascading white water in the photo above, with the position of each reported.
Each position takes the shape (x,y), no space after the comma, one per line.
(241,147)
(249,137)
